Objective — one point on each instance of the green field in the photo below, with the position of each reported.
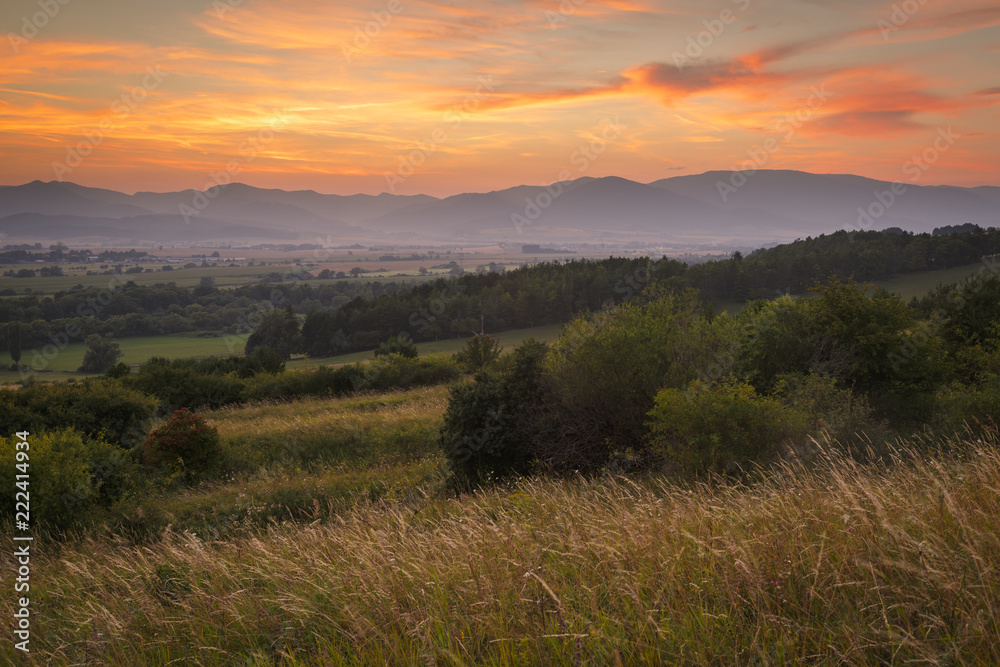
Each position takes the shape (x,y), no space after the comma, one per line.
(186,346)
(508,340)
(918,284)
(63,365)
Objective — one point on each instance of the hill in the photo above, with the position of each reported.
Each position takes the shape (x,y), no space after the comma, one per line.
(716,206)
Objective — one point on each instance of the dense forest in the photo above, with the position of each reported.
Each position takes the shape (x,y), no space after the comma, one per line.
(350,315)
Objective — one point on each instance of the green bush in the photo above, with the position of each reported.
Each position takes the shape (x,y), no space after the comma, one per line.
(605,369)
(96,407)
(400,345)
(70,476)
(102,353)
(722,427)
(974,406)
(866,338)
(382,374)
(180,385)
(479,351)
(185,442)
(488,426)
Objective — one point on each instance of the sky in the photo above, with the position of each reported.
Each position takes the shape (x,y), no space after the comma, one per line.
(415,96)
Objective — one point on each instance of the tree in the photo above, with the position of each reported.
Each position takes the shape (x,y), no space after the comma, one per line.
(356,271)
(401,345)
(279,331)
(205,286)
(14,342)
(479,351)
(102,353)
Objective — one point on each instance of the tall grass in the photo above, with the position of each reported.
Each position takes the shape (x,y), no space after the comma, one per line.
(301,461)
(843,564)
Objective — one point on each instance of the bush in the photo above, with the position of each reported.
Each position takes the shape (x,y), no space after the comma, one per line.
(479,351)
(400,345)
(866,338)
(180,385)
(488,426)
(103,408)
(71,476)
(604,371)
(102,353)
(721,428)
(186,442)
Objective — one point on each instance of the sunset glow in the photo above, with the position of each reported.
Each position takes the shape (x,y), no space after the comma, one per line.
(415,96)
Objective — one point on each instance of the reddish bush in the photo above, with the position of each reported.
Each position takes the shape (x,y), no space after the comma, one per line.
(186,441)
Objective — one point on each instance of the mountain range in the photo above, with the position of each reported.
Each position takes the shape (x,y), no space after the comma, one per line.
(769,205)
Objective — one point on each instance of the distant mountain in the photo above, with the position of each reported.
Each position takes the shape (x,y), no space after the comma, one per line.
(822,203)
(715,206)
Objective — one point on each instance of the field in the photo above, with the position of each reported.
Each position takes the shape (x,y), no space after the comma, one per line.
(264,263)
(918,284)
(508,340)
(63,365)
(369,564)
(184,346)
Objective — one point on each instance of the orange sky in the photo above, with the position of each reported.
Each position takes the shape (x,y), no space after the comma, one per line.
(422,96)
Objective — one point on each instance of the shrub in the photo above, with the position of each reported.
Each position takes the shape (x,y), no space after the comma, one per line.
(720,428)
(488,426)
(70,476)
(605,369)
(119,370)
(102,353)
(479,351)
(96,407)
(400,345)
(185,442)
(180,385)
(866,338)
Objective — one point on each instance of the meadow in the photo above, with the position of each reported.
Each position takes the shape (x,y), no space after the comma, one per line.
(890,563)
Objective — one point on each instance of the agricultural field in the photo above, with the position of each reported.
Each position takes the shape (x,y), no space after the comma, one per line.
(251,266)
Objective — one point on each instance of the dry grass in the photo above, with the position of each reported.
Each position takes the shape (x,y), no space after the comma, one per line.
(841,565)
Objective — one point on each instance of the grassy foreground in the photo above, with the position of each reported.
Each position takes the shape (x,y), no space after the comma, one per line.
(842,565)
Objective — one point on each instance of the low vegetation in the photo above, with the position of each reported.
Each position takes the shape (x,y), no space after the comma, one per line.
(888,563)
